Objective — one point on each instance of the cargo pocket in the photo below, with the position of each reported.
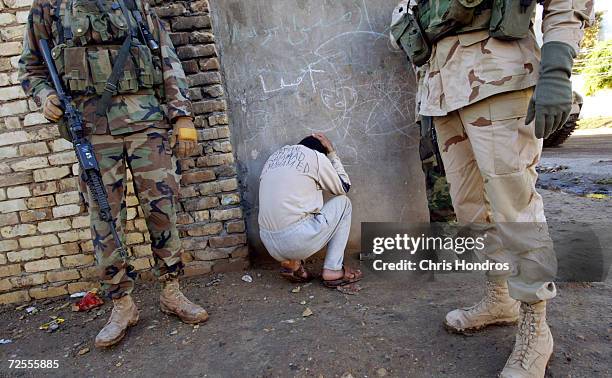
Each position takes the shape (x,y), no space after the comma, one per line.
(76,76)
(128,80)
(507,115)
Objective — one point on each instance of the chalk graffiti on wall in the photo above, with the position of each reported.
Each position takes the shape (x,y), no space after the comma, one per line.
(323,68)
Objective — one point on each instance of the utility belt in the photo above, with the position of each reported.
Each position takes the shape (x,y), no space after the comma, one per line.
(86,69)
(431,20)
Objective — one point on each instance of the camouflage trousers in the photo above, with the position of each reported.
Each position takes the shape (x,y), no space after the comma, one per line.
(490,157)
(155,177)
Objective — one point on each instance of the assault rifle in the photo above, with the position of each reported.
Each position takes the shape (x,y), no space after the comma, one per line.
(90,169)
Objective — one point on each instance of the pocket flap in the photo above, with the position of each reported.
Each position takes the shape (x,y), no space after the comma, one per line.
(468,39)
(512,106)
(80,25)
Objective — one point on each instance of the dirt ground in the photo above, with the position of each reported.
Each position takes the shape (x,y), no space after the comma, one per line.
(392,327)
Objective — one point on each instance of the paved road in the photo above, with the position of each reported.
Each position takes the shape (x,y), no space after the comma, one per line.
(582,165)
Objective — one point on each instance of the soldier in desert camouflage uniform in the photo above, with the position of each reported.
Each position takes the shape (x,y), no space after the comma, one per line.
(493,94)
(131,126)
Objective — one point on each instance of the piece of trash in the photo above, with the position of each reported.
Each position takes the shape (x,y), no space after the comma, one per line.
(296,289)
(174,332)
(5,341)
(303,302)
(53,325)
(78,295)
(247,278)
(89,301)
(350,289)
(62,306)
(83,351)
(307,312)
(118,364)
(597,196)
(31,310)
(288,321)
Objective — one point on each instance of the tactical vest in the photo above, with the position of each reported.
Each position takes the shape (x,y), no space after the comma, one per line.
(89,35)
(432,20)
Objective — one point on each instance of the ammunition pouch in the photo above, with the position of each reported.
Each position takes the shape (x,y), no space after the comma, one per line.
(510,20)
(433,20)
(449,17)
(85,70)
(411,39)
(86,64)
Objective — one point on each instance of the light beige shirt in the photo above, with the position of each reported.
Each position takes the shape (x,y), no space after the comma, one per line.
(466,68)
(292,182)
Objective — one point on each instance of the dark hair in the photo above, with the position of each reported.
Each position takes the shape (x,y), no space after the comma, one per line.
(314,144)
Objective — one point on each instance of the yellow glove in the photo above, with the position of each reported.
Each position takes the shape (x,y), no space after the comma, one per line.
(52,108)
(184,137)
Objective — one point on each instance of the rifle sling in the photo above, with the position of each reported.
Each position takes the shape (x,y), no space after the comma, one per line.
(124,52)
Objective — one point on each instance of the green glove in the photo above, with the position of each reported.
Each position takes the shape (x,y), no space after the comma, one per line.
(551,102)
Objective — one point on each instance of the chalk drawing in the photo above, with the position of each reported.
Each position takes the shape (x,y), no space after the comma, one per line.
(326,84)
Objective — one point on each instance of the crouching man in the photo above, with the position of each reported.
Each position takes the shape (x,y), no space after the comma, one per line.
(294,223)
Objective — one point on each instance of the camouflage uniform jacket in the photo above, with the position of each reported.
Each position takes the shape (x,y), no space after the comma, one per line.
(127,113)
(466,68)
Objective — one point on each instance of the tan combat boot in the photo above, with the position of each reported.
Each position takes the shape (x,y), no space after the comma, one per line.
(496,308)
(533,345)
(124,315)
(172,301)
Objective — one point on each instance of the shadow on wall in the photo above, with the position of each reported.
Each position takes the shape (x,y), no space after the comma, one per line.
(294,67)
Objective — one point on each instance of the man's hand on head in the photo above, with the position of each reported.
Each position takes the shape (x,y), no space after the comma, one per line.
(325,142)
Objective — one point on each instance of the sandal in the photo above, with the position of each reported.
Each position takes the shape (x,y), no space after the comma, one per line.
(300,275)
(350,276)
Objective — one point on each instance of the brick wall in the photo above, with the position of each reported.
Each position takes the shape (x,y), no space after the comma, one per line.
(45,246)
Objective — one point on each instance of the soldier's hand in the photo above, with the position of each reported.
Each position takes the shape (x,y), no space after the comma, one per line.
(184,138)
(52,109)
(551,102)
(324,141)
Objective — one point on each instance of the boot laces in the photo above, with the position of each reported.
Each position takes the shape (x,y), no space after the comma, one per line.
(177,294)
(489,299)
(527,333)
(118,307)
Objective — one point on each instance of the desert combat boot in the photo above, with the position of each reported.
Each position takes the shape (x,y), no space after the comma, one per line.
(173,301)
(496,308)
(124,315)
(533,345)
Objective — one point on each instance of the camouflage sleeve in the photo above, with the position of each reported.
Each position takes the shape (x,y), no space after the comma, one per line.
(564,20)
(32,71)
(176,88)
